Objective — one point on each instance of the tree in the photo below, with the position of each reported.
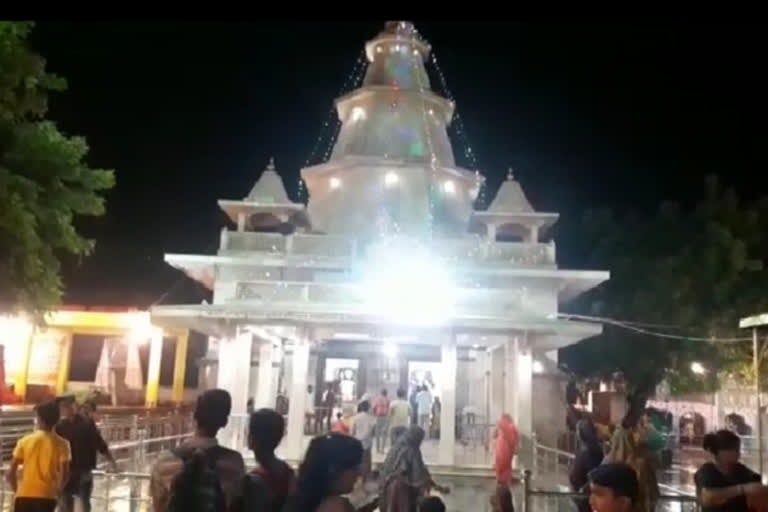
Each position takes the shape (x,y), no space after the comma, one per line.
(688,273)
(44,182)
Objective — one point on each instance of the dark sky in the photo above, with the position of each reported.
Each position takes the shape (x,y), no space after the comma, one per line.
(589,114)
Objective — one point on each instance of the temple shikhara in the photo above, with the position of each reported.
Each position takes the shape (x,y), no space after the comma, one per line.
(388,277)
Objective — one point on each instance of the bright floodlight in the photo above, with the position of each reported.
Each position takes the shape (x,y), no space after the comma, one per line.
(698,368)
(449,187)
(538,367)
(334,182)
(389,350)
(391,179)
(409,286)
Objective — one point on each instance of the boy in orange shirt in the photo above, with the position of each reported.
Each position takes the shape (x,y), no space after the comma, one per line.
(45,457)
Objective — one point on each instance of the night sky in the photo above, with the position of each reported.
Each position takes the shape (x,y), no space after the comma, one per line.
(589,114)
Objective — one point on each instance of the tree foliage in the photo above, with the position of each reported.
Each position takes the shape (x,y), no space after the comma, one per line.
(44,182)
(690,272)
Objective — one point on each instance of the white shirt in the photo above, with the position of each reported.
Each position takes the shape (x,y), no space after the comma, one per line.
(363,425)
(424,402)
(309,405)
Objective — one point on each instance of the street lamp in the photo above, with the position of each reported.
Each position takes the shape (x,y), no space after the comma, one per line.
(698,368)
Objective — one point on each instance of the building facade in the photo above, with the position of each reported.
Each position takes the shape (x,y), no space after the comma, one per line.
(388,277)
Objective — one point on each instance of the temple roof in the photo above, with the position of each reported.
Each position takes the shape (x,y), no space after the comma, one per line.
(269,188)
(510,198)
(511,206)
(267,197)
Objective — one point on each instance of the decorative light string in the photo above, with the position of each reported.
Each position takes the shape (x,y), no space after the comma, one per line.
(351,81)
(428,132)
(460,130)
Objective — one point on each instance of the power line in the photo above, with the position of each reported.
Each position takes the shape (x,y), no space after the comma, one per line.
(630,327)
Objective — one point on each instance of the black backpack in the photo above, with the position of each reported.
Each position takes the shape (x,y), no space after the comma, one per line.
(197,487)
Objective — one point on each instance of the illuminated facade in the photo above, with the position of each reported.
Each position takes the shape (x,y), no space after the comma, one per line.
(388,278)
(41,356)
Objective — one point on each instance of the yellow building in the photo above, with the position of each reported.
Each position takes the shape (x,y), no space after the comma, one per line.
(41,355)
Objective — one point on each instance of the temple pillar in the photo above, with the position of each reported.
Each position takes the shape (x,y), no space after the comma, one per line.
(446,449)
(240,222)
(62,378)
(518,403)
(153,368)
(264,395)
(20,382)
(180,366)
(298,396)
(233,374)
(496,406)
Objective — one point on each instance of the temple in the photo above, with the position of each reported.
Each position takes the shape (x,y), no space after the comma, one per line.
(388,277)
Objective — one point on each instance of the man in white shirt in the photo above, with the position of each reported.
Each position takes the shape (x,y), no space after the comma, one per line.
(309,411)
(424,407)
(363,428)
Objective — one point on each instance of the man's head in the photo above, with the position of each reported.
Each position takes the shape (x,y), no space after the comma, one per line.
(364,406)
(309,389)
(47,414)
(383,392)
(725,446)
(401,393)
(66,405)
(88,409)
(265,431)
(212,411)
(612,488)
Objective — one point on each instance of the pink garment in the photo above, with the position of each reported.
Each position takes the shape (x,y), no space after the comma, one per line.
(507,441)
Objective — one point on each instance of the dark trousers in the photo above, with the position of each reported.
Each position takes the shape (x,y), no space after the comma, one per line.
(80,485)
(34,505)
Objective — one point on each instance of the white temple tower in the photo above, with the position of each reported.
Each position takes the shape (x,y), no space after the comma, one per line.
(388,277)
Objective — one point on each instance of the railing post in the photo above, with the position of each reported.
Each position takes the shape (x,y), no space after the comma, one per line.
(107,491)
(527,491)
(534,454)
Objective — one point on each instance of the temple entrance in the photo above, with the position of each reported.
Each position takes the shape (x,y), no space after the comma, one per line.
(342,372)
(426,408)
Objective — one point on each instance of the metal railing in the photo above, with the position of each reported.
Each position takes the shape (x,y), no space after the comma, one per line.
(549,462)
(545,500)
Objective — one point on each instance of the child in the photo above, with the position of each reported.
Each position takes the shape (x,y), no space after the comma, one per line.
(45,457)
(265,430)
(431,504)
(612,488)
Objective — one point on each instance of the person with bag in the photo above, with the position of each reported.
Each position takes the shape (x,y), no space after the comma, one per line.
(266,429)
(200,475)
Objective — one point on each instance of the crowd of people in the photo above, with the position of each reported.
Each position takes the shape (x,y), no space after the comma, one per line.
(723,484)
(59,458)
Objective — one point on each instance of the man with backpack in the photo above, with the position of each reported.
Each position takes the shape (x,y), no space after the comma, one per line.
(200,475)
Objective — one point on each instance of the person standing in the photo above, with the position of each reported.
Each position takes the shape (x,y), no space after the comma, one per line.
(589,455)
(45,456)
(629,445)
(363,428)
(400,413)
(507,442)
(310,426)
(404,478)
(725,484)
(424,405)
(266,429)
(85,442)
(381,412)
(170,493)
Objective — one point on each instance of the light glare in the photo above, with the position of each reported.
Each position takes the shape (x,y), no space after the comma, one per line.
(698,368)
(391,179)
(334,182)
(449,187)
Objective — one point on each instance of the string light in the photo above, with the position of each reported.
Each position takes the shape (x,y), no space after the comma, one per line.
(430,146)
(458,125)
(350,82)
